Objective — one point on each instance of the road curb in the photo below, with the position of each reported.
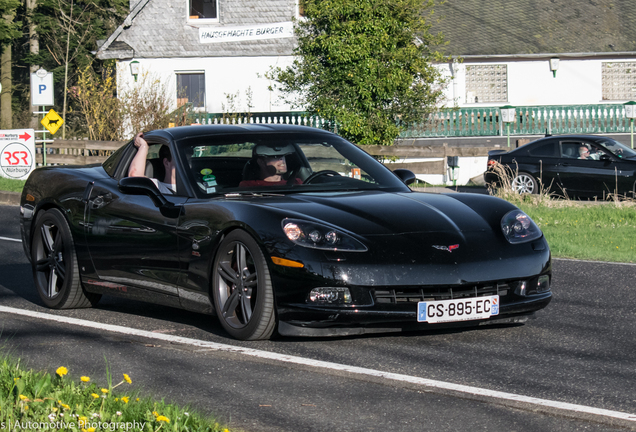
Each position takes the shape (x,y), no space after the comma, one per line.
(10,198)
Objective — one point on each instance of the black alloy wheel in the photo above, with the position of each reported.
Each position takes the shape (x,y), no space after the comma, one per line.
(242,288)
(54,263)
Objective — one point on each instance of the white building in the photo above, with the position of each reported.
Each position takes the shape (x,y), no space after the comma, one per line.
(544,52)
(216,53)
(213,53)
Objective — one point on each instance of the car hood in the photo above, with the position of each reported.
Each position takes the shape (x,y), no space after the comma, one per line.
(415,238)
(380,213)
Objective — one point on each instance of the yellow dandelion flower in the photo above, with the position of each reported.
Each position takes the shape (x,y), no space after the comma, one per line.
(26,407)
(104,390)
(155,413)
(90,429)
(85,379)
(83,419)
(95,395)
(66,406)
(125,399)
(163,419)
(127,379)
(61,371)
(23,397)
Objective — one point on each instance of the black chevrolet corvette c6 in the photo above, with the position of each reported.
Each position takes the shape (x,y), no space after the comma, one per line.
(337,245)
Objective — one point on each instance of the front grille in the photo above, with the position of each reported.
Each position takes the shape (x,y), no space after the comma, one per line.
(417,294)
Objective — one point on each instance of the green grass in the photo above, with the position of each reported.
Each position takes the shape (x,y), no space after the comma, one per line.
(39,400)
(603,232)
(11,185)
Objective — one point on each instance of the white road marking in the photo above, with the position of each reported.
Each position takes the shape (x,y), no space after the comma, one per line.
(11,239)
(424,382)
(593,262)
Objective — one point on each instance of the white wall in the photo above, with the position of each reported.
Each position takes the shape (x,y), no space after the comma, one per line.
(469,167)
(531,82)
(223,76)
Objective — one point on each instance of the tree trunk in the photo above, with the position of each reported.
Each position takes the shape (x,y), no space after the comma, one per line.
(6,111)
(34,48)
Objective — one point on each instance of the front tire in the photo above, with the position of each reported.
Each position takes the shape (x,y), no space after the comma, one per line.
(525,183)
(242,288)
(55,269)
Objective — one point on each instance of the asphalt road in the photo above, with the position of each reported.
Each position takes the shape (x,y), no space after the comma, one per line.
(580,350)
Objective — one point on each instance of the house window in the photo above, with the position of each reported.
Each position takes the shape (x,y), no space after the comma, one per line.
(619,80)
(300,10)
(486,83)
(191,89)
(203,9)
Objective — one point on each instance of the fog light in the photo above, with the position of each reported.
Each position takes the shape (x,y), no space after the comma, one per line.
(543,283)
(521,288)
(330,295)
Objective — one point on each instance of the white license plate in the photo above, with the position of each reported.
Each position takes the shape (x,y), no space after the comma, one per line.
(458,310)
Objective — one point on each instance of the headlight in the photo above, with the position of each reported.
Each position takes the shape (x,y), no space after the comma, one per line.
(318,236)
(517,227)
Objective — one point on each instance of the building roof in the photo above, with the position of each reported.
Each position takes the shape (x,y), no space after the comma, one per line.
(531,27)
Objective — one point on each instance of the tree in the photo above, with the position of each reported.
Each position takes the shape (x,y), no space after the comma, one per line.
(365,66)
(68,31)
(8,32)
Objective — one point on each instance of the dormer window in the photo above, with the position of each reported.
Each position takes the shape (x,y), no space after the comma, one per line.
(203,9)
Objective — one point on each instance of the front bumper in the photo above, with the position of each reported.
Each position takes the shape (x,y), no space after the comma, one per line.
(310,320)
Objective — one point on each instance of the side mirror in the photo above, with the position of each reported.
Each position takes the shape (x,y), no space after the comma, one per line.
(145,186)
(405,175)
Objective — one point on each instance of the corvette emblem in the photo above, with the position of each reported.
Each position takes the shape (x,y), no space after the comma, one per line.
(450,248)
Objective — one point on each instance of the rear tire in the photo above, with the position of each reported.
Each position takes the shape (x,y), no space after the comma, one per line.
(242,288)
(525,183)
(55,269)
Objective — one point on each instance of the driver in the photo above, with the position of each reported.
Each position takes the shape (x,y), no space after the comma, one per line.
(271,165)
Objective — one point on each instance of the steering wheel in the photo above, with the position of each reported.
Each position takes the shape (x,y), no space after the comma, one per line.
(317,174)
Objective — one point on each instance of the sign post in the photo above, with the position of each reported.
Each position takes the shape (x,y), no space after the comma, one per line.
(42,95)
(630,113)
(508,116)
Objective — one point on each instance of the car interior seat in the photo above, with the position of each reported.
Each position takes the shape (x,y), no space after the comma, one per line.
(155,169)
(571,152)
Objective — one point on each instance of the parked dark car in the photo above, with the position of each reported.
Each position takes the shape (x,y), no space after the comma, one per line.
(567,165)
(340,246)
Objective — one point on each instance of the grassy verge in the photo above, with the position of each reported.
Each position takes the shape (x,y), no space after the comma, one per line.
(11,185)
(37,400)
(605,232)
(601,231)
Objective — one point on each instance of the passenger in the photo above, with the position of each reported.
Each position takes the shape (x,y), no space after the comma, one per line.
(272,166)
(138,165)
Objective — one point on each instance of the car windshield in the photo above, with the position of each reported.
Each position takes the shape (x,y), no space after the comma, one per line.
(281,162)
(618,149)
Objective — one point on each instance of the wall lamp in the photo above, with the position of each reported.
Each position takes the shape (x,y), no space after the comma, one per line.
(554,65)
(134,69)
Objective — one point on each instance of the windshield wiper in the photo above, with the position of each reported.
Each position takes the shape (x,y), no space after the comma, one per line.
(252,194)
